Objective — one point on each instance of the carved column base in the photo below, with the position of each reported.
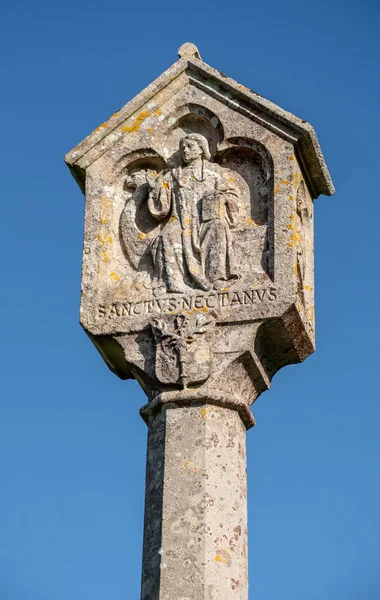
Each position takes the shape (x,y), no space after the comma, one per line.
(195,533)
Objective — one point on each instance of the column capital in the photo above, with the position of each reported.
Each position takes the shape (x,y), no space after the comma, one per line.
(178,399)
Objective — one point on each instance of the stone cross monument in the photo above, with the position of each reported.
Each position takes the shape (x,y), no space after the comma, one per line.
(198,282)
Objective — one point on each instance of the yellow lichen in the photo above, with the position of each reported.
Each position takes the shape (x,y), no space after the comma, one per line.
(295,239)
(114,275)
(310,313)
(223,557)
(252,222)
(102,126)
(136,125)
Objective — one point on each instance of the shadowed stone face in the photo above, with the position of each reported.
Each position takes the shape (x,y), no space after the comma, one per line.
(198,281)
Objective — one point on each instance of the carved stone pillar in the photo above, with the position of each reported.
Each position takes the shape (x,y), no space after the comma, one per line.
(195,534)
(198,282)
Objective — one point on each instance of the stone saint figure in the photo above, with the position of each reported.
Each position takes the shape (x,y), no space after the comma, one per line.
(197,204)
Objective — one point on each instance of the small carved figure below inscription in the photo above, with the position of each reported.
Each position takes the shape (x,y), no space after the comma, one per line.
(183,349)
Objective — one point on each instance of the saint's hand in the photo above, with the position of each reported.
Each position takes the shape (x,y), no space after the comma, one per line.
(151,178)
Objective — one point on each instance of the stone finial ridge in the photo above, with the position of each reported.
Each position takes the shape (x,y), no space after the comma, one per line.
(189,50)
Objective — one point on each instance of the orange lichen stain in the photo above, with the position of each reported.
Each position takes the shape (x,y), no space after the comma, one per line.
(231,179)
(295,269)
(101,239)
(285,182)
(110,239)
(144,236)
(150,130)
(277,171)
(291,197)
(226,289)
(102,126)
(196,310)
(172,218)
(291,157)
(291,226)
(165,185)
(116,114)
(187,221)
(223,557)
(292,217)
(308,288)
(104,221)
(297,178)
(295,239)
(114,276)
(249,221)
(203,412)
(136,125)
(188,469)
(158,112)
(310,313)
(277,189)
(105,256)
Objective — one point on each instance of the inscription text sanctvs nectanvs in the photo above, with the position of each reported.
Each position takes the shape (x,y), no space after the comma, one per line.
(186,303)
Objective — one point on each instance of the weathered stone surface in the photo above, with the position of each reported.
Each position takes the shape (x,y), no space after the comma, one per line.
(198,281)
(195,534)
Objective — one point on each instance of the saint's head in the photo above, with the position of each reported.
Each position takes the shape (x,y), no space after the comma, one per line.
(194,146)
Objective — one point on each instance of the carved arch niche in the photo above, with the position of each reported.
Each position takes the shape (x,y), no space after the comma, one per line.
(193,118)
(254,167)
(136,225)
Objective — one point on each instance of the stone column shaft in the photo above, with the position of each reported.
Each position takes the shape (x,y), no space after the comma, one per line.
(195,532)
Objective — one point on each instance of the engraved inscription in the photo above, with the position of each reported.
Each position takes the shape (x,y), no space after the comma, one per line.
(171,305)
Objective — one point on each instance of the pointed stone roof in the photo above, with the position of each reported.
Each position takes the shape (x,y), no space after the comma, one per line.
(218,85)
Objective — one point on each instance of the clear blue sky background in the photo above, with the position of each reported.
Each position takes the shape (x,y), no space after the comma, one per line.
(72,445)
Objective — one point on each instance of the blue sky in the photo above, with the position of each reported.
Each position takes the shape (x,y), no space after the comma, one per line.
(72,444)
